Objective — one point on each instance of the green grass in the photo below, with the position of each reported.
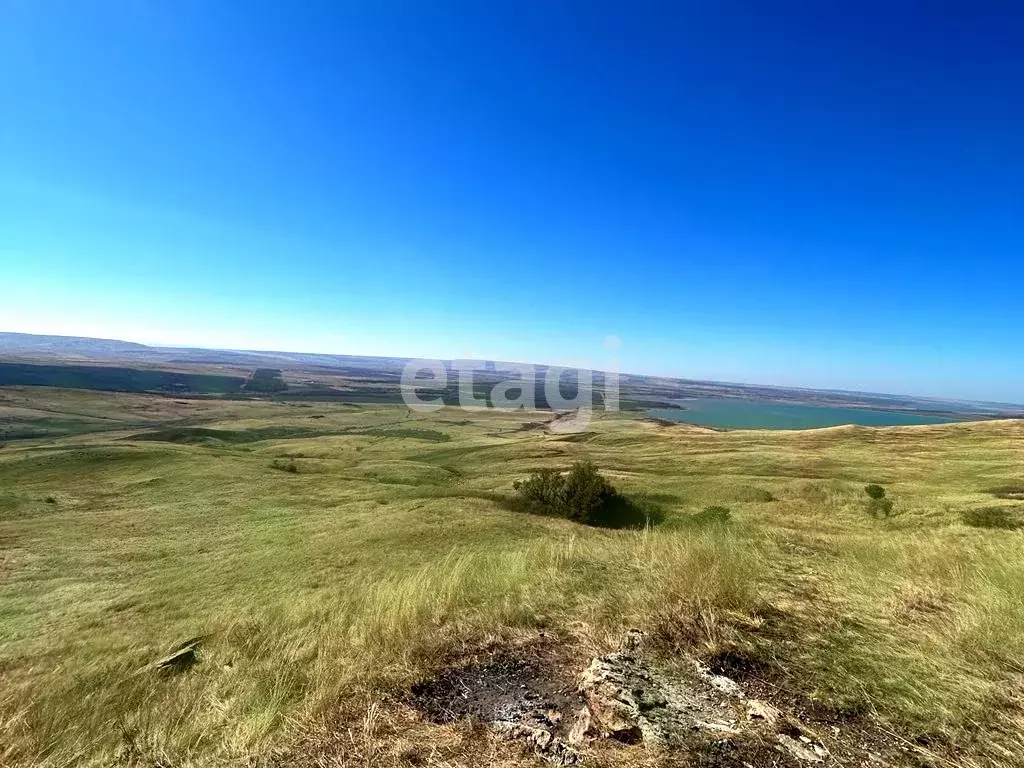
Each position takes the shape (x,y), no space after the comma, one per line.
(317,591)
(191,435)
(188,435)
(1004,518)
(115,379)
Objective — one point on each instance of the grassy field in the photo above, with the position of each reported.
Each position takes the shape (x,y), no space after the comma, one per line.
(116,379)
(131,524)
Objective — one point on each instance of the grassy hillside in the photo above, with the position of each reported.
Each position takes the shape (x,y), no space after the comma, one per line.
(320,594)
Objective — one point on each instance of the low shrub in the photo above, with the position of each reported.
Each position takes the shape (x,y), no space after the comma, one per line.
(992,517)
(875,491)
(285,466)
(878,505)
(584,496)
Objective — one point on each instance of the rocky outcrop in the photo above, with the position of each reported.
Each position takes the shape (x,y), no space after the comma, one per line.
(547,746)
(540,695)
(628,699)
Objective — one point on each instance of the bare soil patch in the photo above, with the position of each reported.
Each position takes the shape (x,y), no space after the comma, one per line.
(531,684)
(680,710)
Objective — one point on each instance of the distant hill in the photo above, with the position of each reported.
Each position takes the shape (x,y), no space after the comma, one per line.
(114,350)
(28,343)
(637,392)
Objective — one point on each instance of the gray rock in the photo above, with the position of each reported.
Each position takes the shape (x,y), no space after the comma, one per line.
(547,746)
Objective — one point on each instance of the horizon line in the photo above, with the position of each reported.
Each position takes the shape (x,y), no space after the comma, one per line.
(783,387)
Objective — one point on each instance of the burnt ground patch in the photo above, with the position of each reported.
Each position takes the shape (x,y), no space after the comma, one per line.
(532,684)
(737,664)
(541,699)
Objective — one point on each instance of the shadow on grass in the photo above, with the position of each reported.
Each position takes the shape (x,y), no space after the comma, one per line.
(622,512)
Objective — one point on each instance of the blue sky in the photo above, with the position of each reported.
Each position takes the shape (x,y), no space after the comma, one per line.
(807,194)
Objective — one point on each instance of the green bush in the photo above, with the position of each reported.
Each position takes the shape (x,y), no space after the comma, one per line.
(875,491)
(992,517)
(584,496)
(542,488)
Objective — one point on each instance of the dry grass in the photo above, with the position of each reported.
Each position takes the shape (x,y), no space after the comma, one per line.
(319,594)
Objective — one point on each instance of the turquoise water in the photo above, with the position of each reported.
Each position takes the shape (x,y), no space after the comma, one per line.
(724,413)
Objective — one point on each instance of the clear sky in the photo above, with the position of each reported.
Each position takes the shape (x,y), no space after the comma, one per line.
(812,193)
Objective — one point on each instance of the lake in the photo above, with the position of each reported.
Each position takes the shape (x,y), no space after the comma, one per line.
(725,413)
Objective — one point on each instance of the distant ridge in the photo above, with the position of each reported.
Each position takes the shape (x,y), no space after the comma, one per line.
(14,343)
(34,347)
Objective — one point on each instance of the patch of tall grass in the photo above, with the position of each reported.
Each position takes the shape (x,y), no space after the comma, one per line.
(301,658)
(924,630)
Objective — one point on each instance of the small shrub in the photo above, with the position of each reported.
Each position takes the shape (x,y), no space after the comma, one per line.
(51,500)
(285,466)
(991,517)
(583,495)
(542,488)
(875,491)
(587,496)
(878,505)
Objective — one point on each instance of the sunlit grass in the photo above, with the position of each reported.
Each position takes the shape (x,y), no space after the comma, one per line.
(385,553)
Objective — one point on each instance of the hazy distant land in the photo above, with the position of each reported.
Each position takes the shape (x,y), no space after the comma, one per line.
(111,365)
